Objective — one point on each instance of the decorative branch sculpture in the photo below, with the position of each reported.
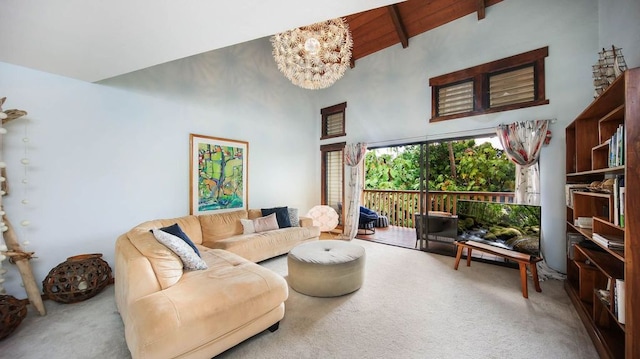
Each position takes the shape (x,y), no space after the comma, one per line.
(16,254)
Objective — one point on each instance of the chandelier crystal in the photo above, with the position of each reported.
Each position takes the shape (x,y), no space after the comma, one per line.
(315,56)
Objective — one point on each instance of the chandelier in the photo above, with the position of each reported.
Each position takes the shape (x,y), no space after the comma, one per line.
(315,56)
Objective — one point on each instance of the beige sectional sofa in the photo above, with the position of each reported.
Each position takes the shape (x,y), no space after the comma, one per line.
(169,312)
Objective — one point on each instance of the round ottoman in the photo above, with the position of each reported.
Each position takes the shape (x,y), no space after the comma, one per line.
(326,268)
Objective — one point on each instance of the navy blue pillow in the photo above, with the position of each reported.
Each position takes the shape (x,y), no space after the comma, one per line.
(282,215)
(177,231)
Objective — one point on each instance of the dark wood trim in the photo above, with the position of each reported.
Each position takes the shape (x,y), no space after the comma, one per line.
(480,76)
(481,10)
(399,26)
(328,111)
(632,215)
(339,146)
(333,147)
(540,79)
(480,87)
(493,66)
(490,110)
(333,109)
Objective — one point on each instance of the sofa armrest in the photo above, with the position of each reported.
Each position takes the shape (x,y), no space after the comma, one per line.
(306,222)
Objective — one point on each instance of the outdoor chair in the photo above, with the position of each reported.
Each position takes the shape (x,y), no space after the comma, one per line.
(367,220)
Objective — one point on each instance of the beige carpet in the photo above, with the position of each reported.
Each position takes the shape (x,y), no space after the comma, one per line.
(412,305)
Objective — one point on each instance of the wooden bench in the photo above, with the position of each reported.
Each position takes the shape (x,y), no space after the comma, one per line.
(522,259)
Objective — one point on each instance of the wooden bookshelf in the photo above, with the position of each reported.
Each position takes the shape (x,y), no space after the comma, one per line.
(594,266)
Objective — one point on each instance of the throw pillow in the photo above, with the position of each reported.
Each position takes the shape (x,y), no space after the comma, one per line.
(190,260)
(282,215)
(178,232)
(267,223)
(294,219)
(247,226)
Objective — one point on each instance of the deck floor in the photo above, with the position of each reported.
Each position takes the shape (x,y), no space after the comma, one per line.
(393,235)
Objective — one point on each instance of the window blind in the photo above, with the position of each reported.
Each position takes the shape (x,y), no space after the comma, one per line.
(335,124)
(511,87)
(334,178)
(456,98)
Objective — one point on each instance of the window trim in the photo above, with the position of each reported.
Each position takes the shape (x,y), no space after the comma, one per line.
(480,76)
(332,110)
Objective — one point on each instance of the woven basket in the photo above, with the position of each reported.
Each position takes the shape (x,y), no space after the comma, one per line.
(12,311)
(78,278)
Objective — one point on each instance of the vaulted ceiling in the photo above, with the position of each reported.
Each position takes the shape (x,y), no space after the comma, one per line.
(379,28)
(93,40)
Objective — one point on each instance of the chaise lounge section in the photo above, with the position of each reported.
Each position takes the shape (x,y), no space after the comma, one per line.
(170,312)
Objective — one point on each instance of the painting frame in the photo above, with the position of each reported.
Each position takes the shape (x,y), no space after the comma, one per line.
(218,174)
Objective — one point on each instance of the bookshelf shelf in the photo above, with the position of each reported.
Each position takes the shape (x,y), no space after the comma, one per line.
(617,169)
(600,146)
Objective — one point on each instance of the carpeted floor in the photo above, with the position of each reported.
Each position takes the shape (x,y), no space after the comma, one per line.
(412,305)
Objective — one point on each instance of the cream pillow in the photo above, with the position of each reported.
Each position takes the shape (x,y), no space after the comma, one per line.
(266,223)
(190,260)
(247,226)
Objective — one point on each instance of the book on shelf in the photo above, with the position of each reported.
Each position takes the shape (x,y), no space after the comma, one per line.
(620,149)
(612,150)
(621,198)
(583,222)
(616,148)
(619,300)
(609,241)
(618,201)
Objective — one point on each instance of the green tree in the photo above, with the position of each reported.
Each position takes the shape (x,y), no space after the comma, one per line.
(474,168)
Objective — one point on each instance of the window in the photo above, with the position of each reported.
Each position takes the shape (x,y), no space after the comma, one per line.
(333,175)
(502,85)
(515,86)
(456,98)
(333,119)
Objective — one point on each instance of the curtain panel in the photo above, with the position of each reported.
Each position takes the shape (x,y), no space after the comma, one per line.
(353,155)
(522,142)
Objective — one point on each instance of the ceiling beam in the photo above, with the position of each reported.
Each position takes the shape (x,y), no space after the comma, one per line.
(481,10)
(397,22)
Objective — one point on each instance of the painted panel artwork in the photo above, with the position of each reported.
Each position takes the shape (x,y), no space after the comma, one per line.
(218,174)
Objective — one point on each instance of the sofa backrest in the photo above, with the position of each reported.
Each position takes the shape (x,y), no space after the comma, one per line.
(221,225)
(166,265)
(255,213)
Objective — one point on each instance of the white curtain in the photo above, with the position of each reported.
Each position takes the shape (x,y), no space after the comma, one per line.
(353,155)
(522,142)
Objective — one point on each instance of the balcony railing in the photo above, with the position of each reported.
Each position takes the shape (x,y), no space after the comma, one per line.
(399,206)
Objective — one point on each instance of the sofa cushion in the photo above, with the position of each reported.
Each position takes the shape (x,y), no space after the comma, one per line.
(282,215)
(178,232)
(247,226)
(221,225)
(166,265)
(266,223)
(294,218)
(190,259)
(257,247)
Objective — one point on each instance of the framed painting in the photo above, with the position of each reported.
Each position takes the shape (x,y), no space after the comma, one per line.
(218,174)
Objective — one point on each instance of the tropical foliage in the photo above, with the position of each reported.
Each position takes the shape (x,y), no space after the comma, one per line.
(453,166)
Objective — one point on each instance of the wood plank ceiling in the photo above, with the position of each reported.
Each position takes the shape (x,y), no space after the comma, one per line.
(380,28)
